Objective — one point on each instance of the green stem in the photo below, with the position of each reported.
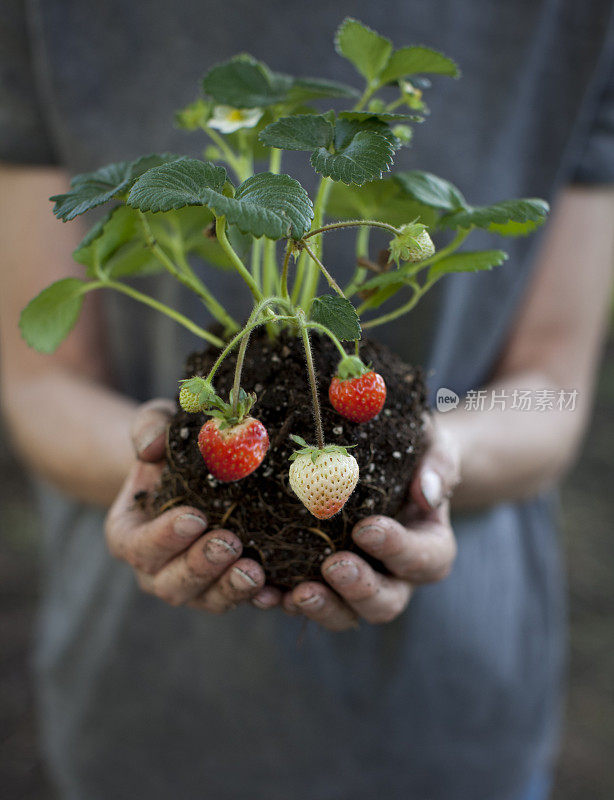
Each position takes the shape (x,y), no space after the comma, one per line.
(256,264)
(312,383)
(214,306)
(270,274)
(248,328)
(362,251)
(311,271)
(220,232)
(284,271)
(368,93)
(331,281)
(163,309)
(238,370)
(316,326)
(232,159)
(275,160)
(404,309)
(353,223)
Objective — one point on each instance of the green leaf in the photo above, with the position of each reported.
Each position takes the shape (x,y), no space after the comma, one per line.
(267,205)
(338,315)
(304,89)
(48,319)
(430,190)
(182,183)
(361,116)
(466,262)
(301,132)
(244,82)
(366,49)
(412,60)
(264,205)
(364,158)
(382,200)
(116,247)
(93,189)
(508,218)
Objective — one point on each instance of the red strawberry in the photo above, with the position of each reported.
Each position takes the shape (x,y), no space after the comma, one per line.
(358,399)
(232,452)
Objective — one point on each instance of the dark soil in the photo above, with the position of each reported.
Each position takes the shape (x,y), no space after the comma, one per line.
(272,523)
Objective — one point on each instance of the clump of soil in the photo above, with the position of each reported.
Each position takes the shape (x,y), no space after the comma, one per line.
(261,509)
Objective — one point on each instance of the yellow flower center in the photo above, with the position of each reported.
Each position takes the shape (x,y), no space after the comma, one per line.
(236,115)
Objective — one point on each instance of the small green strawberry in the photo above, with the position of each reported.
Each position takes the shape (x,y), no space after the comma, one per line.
(413,244)
(196,394)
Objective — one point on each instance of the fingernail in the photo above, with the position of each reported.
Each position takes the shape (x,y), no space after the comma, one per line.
(342,572)
(432,488)
(265,598)
(240,579)
(189,525)
(312,602)
(370,535)
(218,551)
(148,436)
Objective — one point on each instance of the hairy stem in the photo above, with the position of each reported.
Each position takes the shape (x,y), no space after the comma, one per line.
(316,326)
(353,223)
(238,370)
(331,281)
(252,323)
(317,416)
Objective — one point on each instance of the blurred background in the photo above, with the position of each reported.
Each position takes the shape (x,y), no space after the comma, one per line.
(586,766)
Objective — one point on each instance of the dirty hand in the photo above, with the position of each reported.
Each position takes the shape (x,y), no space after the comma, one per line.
(420,548)
(172,556)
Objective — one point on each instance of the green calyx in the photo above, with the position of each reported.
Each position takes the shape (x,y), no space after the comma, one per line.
(351,367)
(412,243)
(313,452)
(231,414)
(202,393)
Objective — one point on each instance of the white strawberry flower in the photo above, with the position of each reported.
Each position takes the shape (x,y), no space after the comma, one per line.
(228,119)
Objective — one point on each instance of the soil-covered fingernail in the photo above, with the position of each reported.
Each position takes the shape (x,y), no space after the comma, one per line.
(189,525)
(370,535)
(431,487)
(342,572)
(219,551)
(241,580)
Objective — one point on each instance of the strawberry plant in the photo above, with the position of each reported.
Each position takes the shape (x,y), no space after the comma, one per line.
(186,216)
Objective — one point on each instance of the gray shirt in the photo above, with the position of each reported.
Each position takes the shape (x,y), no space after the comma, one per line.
(458,698)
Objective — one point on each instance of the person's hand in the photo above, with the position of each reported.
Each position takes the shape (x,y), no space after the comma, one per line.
(172,556)
(420,548)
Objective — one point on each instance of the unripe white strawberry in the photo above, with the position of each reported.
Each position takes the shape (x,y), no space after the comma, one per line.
(323,479)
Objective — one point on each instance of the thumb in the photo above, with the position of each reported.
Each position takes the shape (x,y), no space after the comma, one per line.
(149,427)
(439,469)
